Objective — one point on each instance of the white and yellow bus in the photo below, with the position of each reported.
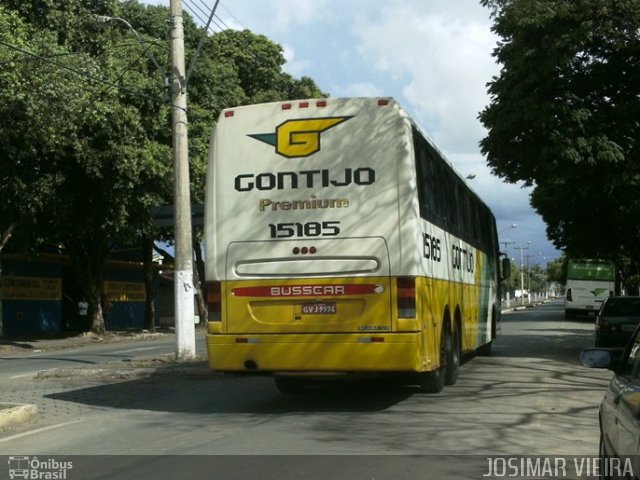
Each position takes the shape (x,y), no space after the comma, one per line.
(339,240)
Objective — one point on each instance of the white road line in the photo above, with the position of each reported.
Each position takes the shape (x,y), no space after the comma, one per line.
(22,375)
(137,349)
(38,430)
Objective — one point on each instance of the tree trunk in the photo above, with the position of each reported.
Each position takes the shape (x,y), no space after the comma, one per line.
(88,257)
(96,301)
(149,306)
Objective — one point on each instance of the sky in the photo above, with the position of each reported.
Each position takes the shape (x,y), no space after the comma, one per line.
(433,56)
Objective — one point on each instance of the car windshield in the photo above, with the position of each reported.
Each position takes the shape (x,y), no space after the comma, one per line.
(622,307)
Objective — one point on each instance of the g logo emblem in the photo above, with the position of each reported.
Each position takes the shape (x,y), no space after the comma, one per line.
(299,138)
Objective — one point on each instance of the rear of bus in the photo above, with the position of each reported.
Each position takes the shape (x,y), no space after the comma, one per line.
(307,206)
(589,283)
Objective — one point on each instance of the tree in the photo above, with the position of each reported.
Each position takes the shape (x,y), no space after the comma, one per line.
(557,270)
(563,118)
(85,132)
(82,170)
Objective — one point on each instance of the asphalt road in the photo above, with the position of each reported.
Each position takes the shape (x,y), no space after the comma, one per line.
(531,397)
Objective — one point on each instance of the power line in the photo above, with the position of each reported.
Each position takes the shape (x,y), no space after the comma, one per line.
(223,23)
(233,16)
(192,10)
(216,15)
(203,37)
(68,54)
(24,58)
(201,16)
(92,78)
(126,69)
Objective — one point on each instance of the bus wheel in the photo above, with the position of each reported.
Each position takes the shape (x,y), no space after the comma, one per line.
(433,382)
(453,355)
(289,384)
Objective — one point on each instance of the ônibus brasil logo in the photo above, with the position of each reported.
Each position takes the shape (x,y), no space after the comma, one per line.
(299,138)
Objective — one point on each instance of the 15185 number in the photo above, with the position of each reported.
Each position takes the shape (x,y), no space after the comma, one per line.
(309,229)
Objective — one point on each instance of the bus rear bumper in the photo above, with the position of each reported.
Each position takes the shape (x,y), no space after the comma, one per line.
(385,352)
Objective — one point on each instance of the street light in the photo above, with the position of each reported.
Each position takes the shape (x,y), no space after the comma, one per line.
(141,41)
(513,225)
(506,244)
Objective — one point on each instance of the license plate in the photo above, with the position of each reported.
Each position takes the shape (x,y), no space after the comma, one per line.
(319,308)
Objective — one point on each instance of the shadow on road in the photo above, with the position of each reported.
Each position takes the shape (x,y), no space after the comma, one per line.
(563,347)
(211,393)
(544,333)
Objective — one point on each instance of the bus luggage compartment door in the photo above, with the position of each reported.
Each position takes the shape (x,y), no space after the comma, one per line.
(308,286)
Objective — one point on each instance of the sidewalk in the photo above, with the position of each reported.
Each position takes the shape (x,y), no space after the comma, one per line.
(63,341)
(517,306)
(26,396)
(13,414)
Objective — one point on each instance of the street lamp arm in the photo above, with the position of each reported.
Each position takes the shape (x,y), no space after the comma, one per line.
(513,225)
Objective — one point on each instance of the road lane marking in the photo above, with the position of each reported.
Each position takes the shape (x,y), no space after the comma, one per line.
(120,352)
(38,430)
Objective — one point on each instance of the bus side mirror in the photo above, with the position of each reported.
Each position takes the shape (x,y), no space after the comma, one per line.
(506,268)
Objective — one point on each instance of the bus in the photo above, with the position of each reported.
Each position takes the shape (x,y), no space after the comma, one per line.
(589,282)
(339,241)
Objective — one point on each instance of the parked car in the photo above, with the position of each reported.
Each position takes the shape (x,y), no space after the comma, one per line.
(617,319)
(620,409)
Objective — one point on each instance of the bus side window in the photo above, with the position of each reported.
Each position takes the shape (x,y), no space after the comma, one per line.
(425,170)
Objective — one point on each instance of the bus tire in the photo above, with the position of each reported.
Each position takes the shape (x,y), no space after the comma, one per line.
(433,381)
(453,355)
(288,385)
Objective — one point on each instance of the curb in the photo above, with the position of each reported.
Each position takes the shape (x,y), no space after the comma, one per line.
(112,373)
(120,372)
(14,414)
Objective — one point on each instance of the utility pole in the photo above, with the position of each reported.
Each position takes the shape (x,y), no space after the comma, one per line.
(528,257)
(506,245)
(522,249)
(183,271)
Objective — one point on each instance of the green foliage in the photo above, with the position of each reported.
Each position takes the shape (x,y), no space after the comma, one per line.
(557,270)
(85,132)
(564,116)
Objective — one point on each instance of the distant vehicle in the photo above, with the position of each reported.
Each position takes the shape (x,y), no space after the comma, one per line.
(617,319)
(619,410)
(341,241)
(589,282)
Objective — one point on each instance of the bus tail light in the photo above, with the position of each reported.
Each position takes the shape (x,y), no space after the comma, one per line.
(406,297)
(214,302)
(569,295)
